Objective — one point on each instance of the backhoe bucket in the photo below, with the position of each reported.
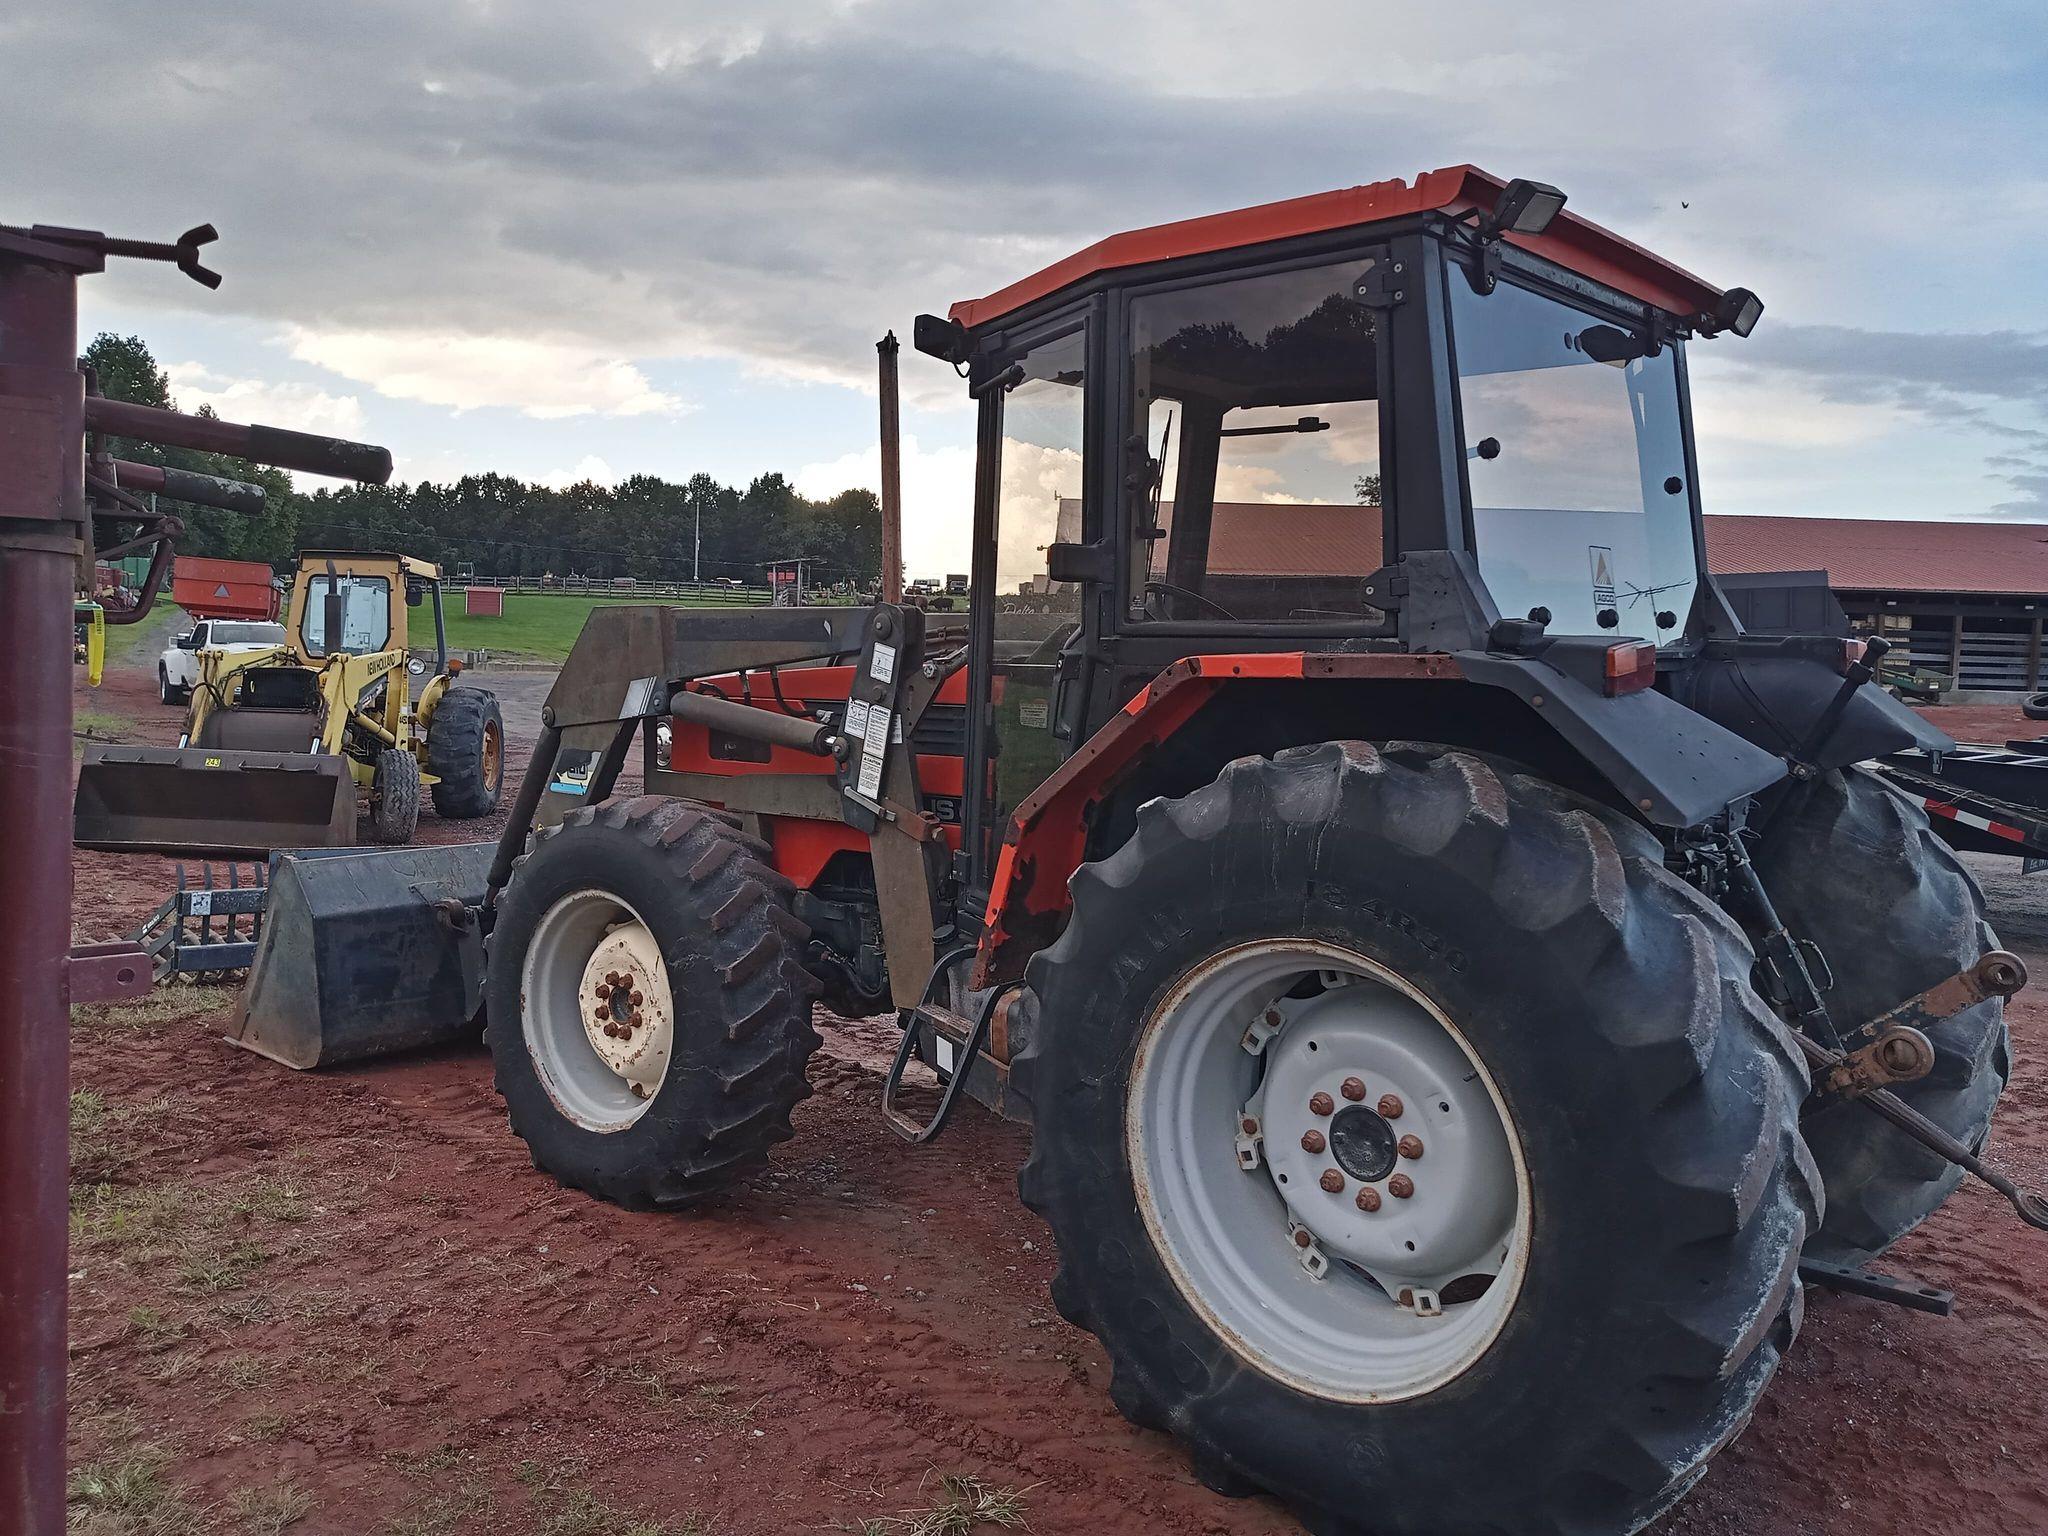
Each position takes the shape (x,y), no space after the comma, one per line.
(212,801)
(364,954)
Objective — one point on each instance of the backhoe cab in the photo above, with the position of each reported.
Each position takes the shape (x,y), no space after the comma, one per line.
(278,742)
(1459,980)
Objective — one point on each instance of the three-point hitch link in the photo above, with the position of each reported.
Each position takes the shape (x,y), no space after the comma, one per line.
(1898,1050)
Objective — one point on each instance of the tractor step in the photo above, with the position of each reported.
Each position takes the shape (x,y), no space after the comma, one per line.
(1899,1290)
(961,1037)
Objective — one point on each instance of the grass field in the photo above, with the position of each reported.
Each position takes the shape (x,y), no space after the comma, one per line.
(541,625)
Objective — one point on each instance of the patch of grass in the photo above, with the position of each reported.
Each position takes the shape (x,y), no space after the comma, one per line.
(579,1512)
(540,625)
(166,1005)
(99,725)
(270,1199)
(228,1269)
(244,1373)
(265,1426)
(707,1402)
(444,1512)
(153,1328)
(128,1495)
(964,1504)
(272,1508)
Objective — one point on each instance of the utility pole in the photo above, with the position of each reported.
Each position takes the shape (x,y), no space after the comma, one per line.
(892,474)
(697,538)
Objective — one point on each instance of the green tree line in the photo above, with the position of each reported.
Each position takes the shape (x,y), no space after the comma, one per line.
(646,526)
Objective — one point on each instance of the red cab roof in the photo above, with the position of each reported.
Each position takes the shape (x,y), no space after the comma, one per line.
(1571,241)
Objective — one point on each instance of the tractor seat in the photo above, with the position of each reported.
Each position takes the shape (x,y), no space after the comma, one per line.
(243,729)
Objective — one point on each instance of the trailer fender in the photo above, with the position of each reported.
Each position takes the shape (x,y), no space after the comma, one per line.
(1671,767)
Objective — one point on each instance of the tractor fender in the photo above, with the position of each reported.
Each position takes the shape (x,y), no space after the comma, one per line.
(1674,767)
(1670,766)
(1773,692)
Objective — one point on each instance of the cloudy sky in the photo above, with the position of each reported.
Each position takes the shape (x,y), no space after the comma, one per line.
(567,241)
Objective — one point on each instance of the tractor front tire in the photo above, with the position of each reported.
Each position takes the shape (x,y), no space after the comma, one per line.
(394,797)
(1564,1040)
(1857,869)
(466,754)
(649,1014)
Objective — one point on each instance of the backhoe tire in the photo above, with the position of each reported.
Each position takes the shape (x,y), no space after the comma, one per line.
(466,754)
(688,1103)
(1596,1007)
(1857,869)
(394,797)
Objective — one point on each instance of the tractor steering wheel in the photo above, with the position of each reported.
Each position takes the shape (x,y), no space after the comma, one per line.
(1209,603)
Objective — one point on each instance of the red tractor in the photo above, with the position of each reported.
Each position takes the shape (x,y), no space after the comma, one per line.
(1460,982)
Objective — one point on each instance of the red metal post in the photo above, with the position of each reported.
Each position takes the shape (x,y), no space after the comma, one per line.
(42,519)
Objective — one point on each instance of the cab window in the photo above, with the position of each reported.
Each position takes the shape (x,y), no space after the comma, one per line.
(365,614)
(1255,495)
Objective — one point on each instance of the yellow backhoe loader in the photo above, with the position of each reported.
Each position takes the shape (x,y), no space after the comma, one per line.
(278,743)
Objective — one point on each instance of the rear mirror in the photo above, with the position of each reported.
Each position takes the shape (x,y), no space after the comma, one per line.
(189,641)
(1611,344)
(1080,562)
(415,593)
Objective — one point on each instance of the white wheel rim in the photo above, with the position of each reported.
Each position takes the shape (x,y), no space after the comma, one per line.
(600,1054)
(1379,1305)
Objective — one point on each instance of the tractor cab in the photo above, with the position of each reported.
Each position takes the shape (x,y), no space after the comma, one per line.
(1440,417)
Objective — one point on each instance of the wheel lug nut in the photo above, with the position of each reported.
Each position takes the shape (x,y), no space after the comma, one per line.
(1390,1106)
(611,978)
(1312,1141)
(1410,1147)
(1368,1199)
(636,999)
(1249,1125)
(1400,1186)
(1333,1181)
(1353,1088)
(1273,1019)
(1321,1104)
(1301,1237)
(611,1031)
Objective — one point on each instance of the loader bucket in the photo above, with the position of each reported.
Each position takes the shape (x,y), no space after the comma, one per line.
(211,801)
(364,954)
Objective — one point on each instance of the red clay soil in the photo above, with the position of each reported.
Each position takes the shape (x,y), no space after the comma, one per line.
(346,1302)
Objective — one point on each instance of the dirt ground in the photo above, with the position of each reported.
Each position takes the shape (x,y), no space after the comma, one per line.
(347,1303)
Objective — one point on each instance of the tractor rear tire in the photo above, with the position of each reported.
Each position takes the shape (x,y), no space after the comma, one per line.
(394,797)
(1857,869)
(688,1103)
(466,754)
(1662,1188)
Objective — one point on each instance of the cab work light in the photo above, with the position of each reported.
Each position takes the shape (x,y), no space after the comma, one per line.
(1631,667)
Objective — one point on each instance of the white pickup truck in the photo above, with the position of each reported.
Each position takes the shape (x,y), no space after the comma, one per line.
(178,668)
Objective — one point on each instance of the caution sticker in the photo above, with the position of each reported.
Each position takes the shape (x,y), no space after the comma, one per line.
(1602,558)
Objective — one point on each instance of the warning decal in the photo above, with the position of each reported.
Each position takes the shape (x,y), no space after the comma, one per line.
(1603,575)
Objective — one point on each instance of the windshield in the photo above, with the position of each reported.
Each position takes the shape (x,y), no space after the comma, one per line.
(1576,459)
(245,634)
(365,614)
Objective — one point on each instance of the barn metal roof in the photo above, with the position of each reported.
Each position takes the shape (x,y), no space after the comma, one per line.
(1888,555)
